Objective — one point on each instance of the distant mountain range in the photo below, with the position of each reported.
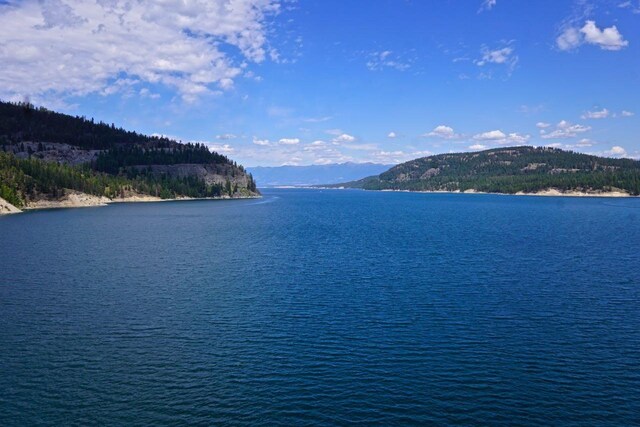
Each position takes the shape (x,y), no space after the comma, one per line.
(510,170)
(315,174)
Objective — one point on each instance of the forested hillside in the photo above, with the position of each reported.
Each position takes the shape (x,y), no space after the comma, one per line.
(509,170)
(44,152)
(24,122)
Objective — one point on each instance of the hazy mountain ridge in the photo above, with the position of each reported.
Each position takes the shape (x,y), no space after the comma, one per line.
(314,174)
(509,170)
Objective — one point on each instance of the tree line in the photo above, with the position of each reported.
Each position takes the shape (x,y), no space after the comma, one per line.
(510,170)
(24,180)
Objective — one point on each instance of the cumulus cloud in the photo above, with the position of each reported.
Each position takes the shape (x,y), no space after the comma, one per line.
(606,38)
(585,142)
(569,39)
(226,136)
(396,156)
(343,138)
(289,141)
(392,135)
(616,151)
(78,47)
(315,146)
(490,135)
(597,114)
(499,137)
(542,125)
(626,113)
(477,147)
(261,142)
(564,129)
(218,148)
(443,131)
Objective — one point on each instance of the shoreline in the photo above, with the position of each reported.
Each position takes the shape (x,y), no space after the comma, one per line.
(83,200)
(549,192)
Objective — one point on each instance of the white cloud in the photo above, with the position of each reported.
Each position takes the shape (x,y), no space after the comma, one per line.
(499,137)
(627,113)
(498,56)
(477,147)
(397,156)
(223,149)
(386,59)
(490,135)
(443,131)
(543,125)
(487,5)
(392,135)
(361,147)
(629,5)
(564,129)
(584,142)
(597,114)
(517,138)
(501,56)
(316,146)
(64,48)
(616,151)
(289,141)
(606,38)
(343,138)
(317,119)
(569,39)
(261,142)
(226,136)
(146,93)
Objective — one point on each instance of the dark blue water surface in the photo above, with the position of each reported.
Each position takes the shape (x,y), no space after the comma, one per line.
(323,307)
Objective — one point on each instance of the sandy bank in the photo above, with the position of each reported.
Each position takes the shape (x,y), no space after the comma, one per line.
(76,199)
(552,192)
(73,199)
(556,192)
(7,208)
(136,199)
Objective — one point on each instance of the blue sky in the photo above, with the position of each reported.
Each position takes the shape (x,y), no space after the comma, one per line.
(311,82)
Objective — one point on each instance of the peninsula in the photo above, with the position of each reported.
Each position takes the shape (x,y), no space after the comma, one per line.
(49,159)
(513,170)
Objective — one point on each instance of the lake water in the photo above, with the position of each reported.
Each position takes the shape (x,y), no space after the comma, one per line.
(316,307)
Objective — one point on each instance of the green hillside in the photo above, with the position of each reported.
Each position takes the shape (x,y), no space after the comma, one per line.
(509,170)
(44,153)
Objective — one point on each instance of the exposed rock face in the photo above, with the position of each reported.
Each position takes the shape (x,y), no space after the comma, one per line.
(53,152)
(211,174)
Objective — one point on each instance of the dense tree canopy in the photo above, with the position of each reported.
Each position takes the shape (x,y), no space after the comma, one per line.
(24,180)
(509,170)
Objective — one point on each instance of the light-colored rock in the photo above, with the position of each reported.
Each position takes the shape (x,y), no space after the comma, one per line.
(7,208)
(573,193)
(135,198)
(72,199)
(54,152)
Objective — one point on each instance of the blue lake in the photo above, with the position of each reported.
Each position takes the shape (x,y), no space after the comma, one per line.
(312,307)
